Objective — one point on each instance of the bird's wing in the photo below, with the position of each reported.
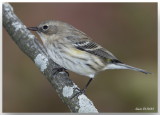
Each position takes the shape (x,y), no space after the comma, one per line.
(86,44)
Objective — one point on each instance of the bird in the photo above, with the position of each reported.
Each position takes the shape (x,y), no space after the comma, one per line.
(74,50)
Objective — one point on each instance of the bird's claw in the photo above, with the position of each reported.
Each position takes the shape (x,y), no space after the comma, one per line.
(58,70)
(80,91)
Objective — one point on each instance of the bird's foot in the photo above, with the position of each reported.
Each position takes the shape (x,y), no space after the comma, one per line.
(80,91)
(58,70)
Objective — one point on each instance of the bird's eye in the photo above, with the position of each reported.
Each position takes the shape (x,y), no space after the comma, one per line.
(45,27)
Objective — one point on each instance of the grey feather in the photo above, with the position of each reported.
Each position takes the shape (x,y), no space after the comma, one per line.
(132,68)
(95,49)
(84,43)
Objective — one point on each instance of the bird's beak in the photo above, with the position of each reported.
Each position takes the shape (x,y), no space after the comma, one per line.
(32,28)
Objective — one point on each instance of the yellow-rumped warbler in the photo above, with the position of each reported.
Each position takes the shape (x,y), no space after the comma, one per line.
(75,51)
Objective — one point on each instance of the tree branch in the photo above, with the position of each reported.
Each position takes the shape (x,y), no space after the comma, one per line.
(28,43)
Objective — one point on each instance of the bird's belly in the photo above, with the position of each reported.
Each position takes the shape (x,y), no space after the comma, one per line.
(77,64)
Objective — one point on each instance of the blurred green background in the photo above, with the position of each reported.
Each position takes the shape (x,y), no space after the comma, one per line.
(128,30)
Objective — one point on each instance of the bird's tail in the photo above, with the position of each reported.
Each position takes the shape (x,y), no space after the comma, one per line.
(124,66)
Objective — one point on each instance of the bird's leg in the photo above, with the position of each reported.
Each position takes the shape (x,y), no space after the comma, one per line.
(58,70)
(82,91)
